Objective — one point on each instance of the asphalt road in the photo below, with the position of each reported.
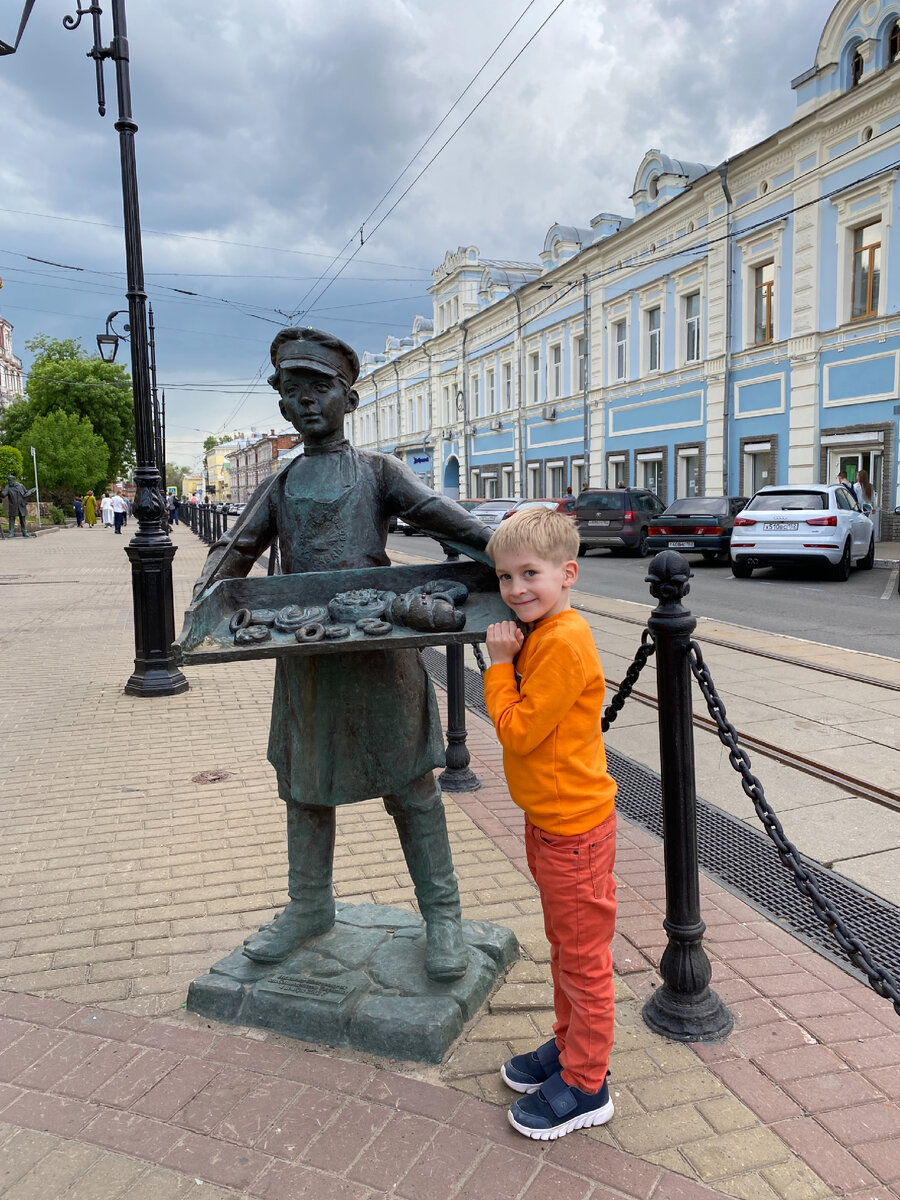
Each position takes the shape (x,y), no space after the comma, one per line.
(857,615)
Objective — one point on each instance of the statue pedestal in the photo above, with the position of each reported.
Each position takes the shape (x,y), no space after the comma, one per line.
(362,984)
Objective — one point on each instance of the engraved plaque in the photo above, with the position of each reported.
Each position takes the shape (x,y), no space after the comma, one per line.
(324,990)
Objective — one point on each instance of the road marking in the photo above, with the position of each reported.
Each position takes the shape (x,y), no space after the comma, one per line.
(891,584)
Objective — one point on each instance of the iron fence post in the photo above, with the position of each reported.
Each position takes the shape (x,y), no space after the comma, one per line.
(458,776)
(684,1008)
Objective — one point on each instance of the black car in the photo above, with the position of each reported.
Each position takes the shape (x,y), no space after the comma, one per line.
(616,518)
(697,525)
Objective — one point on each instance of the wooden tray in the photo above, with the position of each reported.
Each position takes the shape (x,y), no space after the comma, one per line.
(206,638)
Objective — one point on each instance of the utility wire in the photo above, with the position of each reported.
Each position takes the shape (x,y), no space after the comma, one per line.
(443,119)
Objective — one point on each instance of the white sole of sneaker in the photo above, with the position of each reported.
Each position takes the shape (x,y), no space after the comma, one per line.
(526,1089)
(598,1117)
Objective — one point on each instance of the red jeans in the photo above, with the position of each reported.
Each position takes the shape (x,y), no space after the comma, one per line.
(578,896)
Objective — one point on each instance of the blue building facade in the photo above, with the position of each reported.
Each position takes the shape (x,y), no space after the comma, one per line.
(741,326)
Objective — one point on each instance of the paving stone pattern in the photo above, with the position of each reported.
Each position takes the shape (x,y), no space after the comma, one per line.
(123,879)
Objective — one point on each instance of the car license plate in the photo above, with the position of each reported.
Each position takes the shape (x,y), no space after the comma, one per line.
(681,545)
(598,522)
(781,526)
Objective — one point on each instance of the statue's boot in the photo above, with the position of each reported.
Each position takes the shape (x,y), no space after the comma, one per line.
(310,911)
(426,848)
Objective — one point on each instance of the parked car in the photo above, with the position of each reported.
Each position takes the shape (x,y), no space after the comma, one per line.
(820,524)
(398,525)
(700,524)
(492,512)
(235,510)
(616,518)
(565,505)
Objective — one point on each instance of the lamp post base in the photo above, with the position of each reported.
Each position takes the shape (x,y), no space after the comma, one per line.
(155,671)
(687,1018)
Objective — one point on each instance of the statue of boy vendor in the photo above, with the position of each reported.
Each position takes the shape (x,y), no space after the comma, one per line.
(346,727)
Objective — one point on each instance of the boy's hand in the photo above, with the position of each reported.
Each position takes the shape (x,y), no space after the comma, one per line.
(504,641)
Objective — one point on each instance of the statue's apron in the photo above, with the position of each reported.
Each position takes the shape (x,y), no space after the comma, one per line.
(345,727)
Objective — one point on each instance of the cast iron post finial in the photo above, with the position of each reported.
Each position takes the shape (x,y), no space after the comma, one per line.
(684,1007)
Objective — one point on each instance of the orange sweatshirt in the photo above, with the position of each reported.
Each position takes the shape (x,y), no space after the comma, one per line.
(549,726)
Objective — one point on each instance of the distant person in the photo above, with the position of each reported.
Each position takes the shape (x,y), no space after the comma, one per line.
(79,513)
(569,491)
(544,694)
(621,483)
(106,511)
(866,494)
(90,510)
(844,481)
(119,510)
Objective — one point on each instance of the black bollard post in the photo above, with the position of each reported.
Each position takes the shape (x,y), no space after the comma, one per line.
(684,1008)
(458,776)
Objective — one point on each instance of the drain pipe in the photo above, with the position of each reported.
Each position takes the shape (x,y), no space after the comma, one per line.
(586,398)
(729,272)
(463,392)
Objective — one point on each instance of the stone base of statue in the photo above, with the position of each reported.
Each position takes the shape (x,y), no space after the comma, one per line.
(362,985)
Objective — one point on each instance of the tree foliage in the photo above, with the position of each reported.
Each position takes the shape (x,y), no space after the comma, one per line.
(71,458)
(11,463)
(175,474)
(65,378)
(213,441)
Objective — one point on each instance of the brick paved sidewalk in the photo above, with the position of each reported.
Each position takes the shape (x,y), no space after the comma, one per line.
(123,879)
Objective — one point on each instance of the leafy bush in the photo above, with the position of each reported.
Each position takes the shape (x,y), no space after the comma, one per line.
(57,516)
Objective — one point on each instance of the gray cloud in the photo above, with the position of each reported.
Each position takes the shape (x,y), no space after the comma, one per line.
(281,124)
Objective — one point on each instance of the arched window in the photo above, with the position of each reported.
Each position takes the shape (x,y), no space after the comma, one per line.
(893,42)
(856,68)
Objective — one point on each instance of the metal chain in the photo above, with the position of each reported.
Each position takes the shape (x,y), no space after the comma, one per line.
(879,978)
(615,706)
(479,657)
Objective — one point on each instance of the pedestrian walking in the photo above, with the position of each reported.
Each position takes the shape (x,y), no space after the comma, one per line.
(119,510)
(79,513)
(866,494)
(173,510)
(90,510)
(106,511)
(544,694)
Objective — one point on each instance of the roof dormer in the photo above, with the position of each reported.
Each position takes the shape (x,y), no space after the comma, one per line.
(858,41)
(660,179)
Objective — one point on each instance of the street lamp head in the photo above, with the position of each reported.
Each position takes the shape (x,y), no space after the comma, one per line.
(12,47)
(107,344)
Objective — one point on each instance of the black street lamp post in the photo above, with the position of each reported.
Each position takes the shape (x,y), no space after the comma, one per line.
(150,550)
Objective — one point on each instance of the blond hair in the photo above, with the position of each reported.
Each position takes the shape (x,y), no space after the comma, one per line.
(547,534)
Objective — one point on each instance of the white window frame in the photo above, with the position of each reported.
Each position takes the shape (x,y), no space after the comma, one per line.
(556,361)
(550,468)
(858,206)
(642,461)
(758,249)
(507,386)
(534,376)
(687,321)
(654,337)
(616,460)
(491,390)
(619,356)
(534,480)
(750,452)
(474,396)
(577,475)
(579,355)
(508,476)
(685,454)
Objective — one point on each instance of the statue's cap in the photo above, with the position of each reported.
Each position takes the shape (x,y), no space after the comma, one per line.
(313,350)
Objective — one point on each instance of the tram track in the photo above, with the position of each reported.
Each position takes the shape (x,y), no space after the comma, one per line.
(708,640)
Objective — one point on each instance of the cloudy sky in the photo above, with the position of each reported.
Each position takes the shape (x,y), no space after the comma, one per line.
(270,130)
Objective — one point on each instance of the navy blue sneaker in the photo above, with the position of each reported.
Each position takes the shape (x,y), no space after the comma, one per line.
(555,1109)
(526,1072)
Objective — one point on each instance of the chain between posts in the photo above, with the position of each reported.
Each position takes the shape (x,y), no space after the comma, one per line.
(881,980)
(644,652)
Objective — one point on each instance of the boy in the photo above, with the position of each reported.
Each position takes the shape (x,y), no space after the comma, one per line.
(544,693)
(346,729)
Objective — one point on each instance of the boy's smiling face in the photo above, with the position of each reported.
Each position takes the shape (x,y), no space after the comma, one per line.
(533,587)
(315,403)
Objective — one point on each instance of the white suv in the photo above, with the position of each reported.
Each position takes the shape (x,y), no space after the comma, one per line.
(816,523)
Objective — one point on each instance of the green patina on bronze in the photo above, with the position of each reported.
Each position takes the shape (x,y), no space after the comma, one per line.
(350,720)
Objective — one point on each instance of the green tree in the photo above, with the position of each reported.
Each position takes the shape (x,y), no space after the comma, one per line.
(212,441)
(71,457)
(11,463)
(175,474)
(65,378)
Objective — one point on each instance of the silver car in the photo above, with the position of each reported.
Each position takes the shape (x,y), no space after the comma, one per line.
(492,512)
(816,523)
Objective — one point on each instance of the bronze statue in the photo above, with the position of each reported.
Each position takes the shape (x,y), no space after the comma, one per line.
(16,498)
(346,728)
